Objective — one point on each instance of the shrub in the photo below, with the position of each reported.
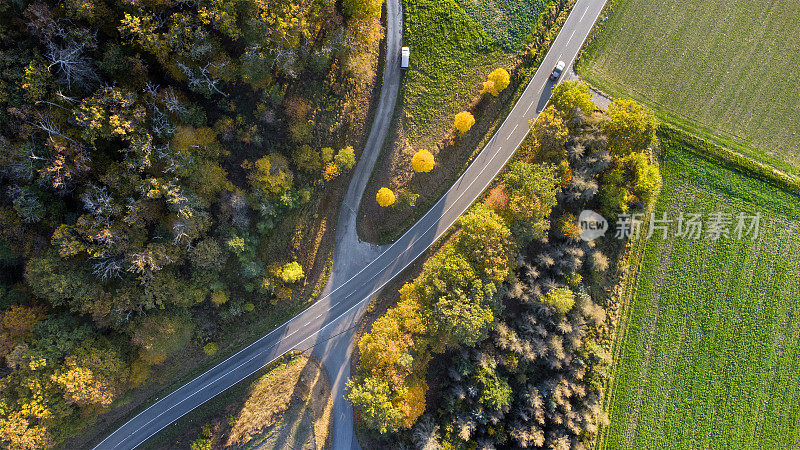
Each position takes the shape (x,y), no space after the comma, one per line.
(385,197)
(406,198)
(422,161)
(211,348)
(464,121)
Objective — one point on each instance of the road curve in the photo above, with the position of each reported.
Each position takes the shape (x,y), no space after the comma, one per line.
(342,305)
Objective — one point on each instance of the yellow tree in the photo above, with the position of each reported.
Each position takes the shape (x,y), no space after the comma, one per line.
(422,161)
(464,121)
(632,127)
(551,133)
(497,81)
(385,197)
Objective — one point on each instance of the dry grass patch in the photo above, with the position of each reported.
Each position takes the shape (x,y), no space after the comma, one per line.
(291,403)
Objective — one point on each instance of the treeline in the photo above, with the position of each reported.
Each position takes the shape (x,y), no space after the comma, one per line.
(149,152)
(511,321)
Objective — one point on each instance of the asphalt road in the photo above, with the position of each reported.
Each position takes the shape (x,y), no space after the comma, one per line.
(342,305)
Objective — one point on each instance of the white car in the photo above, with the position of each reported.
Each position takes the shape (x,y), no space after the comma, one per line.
(405,54)
(557,70)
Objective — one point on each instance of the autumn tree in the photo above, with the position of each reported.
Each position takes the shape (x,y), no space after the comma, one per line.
(551,134)
(385,197)
(569,97)
(344,160)
(36,80)
(464,121)
(95,374)
(496,82)
(487,241)
(270,174)
(291,272)
(422,161)
(362,8)
(631,128)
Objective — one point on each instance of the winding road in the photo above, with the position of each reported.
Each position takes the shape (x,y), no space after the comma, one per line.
(361,271)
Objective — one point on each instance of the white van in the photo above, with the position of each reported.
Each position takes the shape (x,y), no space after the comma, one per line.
(405,54)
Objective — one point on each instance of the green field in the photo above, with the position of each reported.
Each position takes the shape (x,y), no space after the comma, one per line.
(508,22)
(451,56)
(710,356)
(723,67)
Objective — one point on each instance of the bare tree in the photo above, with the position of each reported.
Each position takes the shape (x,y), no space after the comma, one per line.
(71,64)
(106,268)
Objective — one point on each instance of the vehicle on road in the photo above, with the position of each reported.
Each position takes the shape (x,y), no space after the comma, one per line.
(405,55)
(558,70)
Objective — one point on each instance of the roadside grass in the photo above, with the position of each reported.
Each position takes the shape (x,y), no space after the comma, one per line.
(450,55)
(507,22)
(725,68)
(453,153)
(286,403)
(709,357)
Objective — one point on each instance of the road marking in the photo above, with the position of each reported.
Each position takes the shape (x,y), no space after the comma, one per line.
(584,13)
(512,131)
(570,39)
(286,324)
(309,323)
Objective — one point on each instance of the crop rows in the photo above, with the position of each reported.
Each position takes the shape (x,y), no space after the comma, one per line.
(729,67)
(710,357)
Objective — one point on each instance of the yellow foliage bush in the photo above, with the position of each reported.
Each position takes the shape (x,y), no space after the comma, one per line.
(423,161)
(385,197)
(464,121)
(499,79)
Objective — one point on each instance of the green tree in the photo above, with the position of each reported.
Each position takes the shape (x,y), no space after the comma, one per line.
(562,299)
(631,128)
(551,133)
(495,391)
(463,315)
(569,96)
(532,193)
(487,241)
(160,335)
(208,254)
(372,400)
(345,159)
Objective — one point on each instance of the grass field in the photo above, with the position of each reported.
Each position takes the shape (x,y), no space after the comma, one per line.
(507,22)
(711,355)
(450,56)
(728,68)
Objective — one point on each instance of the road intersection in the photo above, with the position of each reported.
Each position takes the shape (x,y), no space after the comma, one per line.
(359,275)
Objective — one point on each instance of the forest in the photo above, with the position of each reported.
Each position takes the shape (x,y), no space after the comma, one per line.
(151,155)
(504,339)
